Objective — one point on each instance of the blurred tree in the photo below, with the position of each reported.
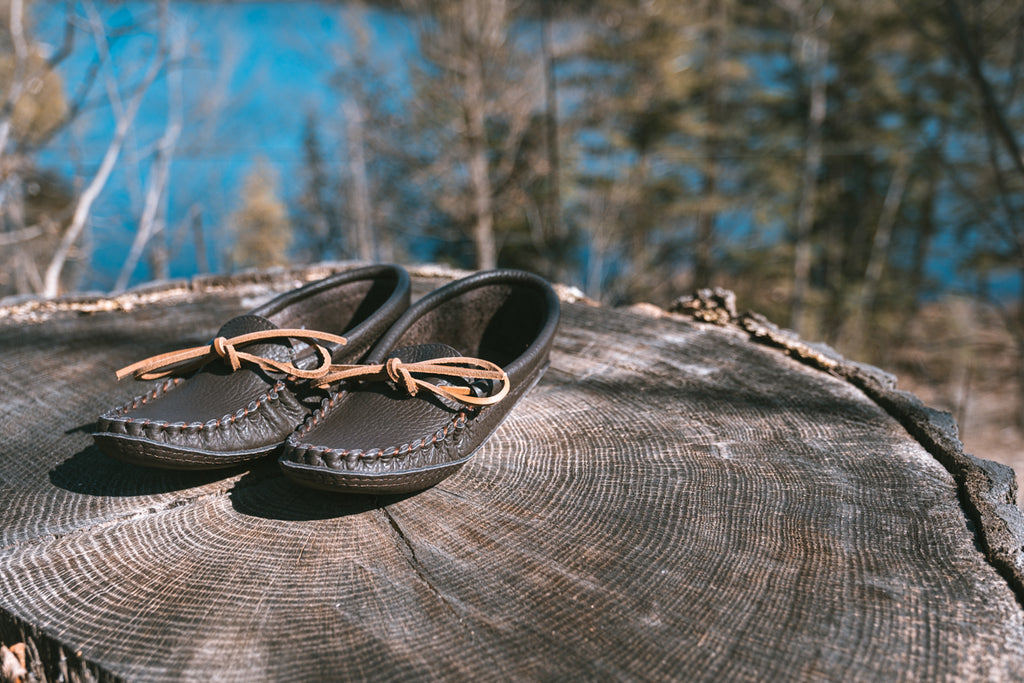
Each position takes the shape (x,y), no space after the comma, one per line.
(361,199)
(626,112)
(983,47)
(477,96)
(262,232)
(556,238)
(317,220)
(365,118)
(363,230)
(812,19)
(152,222)
(868,153)
(125,108)
(844,157)
(663,136)
(34,105)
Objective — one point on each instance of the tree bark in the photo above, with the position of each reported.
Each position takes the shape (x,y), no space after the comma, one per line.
(814,49)
(705,243)
(475,110)
(362,209)
(553,199)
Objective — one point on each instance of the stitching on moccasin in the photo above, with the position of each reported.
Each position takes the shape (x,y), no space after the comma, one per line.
(162,425)
(115,414)
(375,454)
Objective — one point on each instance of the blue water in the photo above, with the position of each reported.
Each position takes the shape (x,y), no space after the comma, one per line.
(253,73)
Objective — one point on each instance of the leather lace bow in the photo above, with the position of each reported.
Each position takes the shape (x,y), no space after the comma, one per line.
(402,374)
(186,360)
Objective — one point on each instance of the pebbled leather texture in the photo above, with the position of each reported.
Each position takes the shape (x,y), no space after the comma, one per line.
(216,417)
(373,438)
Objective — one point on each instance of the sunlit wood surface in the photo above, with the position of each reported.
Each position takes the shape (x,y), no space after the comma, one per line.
(675,499)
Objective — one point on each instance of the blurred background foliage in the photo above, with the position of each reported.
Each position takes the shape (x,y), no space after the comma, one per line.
(851,168)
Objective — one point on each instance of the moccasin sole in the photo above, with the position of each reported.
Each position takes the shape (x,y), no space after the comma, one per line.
(140,451)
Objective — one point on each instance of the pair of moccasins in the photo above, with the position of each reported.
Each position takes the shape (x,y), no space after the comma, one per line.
(357,390)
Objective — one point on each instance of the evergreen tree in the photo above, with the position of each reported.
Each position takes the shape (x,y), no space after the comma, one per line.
(662,135)
(317,224)
(261,230)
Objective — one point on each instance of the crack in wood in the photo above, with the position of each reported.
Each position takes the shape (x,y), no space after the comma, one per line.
(100,524)
(419,568)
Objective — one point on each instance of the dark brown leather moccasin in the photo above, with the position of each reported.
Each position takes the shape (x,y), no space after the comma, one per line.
(431,391)
(239,397)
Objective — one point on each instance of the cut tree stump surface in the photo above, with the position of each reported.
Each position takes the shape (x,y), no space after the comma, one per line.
(696,495)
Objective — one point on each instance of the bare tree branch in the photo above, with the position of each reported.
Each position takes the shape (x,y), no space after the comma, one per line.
(159,175)
(67,43)
(1009,228)
(858,323)
(83,207)
(994,112)
(22,235)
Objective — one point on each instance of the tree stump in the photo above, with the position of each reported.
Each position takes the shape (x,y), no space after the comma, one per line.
(692,495)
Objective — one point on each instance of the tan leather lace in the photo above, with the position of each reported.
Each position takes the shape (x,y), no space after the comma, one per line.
(402,375)
(186,360)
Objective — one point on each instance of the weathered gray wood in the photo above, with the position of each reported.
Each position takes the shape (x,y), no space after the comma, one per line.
(676,498)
